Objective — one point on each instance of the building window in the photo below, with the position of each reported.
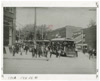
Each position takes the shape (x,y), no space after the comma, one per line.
(8,21)
(9,9)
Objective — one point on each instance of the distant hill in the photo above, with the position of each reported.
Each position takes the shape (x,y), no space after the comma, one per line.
(69,30)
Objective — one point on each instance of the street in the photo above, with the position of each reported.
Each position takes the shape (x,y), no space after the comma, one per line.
(25,64)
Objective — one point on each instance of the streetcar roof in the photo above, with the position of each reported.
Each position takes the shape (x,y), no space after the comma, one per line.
(42,40)
(61,39)
(36,40)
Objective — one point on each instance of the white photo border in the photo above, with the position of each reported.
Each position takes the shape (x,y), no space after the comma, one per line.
(50,4)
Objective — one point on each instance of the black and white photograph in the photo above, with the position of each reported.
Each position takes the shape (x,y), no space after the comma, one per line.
(49,40)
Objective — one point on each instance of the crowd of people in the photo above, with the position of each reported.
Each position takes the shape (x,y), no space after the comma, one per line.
(37,50)
(91,51)
(47,50)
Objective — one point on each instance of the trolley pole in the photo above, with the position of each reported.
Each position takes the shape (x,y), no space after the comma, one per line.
(66,32)
(82,39)
(42,32)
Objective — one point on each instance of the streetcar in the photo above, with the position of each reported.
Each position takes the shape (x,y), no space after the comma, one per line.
(67,46)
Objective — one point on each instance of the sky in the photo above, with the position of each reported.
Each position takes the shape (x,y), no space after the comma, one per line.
(56,16)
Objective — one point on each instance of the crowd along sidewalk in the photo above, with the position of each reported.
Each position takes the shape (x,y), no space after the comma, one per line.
(9,55)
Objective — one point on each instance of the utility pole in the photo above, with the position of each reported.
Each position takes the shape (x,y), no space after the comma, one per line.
(19,35)
(42,28)
(66,33)
(35,25)
(19,32)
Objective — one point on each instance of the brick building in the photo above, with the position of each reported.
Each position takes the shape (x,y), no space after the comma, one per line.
(9,25)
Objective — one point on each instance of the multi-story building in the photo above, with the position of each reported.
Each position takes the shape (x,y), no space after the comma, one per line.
(79,38)
(85,37)
(9,24)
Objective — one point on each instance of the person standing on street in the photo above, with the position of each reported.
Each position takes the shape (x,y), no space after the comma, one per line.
(10,49)
(90,52)
(17,48)
(65,49)
(42,49)
(13,49)
(50,49)
(26,49)
(39,51)
(46,51)
(59,52)
(33,54)
(94,52)
(35,50)
(57,49)
(76,51)
(21,50)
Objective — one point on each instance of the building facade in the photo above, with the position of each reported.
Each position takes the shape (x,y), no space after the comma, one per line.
(9,24)
(85,37)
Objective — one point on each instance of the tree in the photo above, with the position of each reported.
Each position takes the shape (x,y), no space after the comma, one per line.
(90,34)
(38,35)
(31,35)
(41,32)
(92,23)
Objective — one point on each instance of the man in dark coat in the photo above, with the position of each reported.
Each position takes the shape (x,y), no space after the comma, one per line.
(26,48)
(35,50)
